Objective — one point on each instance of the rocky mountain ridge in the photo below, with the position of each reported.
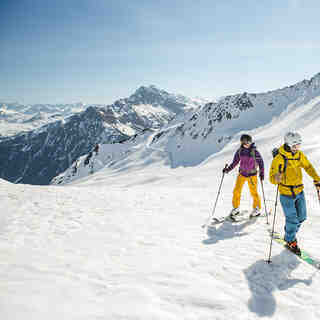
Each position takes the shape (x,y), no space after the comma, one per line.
(37,156)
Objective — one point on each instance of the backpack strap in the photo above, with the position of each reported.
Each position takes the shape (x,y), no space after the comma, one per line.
(285,162)
(253,155)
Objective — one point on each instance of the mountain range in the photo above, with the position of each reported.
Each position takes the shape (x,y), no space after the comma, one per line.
(182,131)
(37,156)
(16,118)
(192,137)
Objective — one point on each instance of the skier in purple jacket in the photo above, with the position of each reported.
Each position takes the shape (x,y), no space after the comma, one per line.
(250,159)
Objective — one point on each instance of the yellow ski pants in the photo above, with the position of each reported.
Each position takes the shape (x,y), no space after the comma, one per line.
(253,186)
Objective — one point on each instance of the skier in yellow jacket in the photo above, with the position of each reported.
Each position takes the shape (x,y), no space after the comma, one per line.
(286,172)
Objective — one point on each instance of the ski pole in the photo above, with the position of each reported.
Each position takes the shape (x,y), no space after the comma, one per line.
(214,207)
(318,193)
(264,201)
(274,219)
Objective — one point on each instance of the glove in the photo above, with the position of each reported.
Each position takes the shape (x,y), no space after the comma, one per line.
(278,177)
(225,170)
(261,176)
(317,185)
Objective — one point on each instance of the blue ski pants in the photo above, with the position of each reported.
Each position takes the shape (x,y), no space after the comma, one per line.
(295,211)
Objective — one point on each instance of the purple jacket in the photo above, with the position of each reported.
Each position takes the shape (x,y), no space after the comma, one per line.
(248,165)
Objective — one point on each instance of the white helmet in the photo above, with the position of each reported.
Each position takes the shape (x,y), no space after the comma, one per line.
(292,138)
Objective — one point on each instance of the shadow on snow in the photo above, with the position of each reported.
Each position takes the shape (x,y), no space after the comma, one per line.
(264,279)
(227,230)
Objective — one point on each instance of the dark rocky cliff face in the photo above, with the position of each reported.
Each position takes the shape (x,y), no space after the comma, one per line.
(39,155)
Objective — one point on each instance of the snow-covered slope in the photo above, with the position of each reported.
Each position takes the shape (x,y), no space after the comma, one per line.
(214,125)
(107,155)
(126,242)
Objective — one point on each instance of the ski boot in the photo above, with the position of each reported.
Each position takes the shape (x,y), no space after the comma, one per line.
(255,213)
(293,246)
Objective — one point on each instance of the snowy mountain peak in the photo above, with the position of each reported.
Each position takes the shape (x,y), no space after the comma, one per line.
(150,95)
(154,96)
(149,89)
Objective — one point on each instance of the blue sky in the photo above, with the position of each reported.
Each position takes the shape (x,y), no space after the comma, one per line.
(96,51)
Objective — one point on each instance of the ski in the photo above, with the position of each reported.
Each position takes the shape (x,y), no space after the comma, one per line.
(305,256)
(242,216)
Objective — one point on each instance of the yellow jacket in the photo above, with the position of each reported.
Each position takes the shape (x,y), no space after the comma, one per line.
(292,177)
